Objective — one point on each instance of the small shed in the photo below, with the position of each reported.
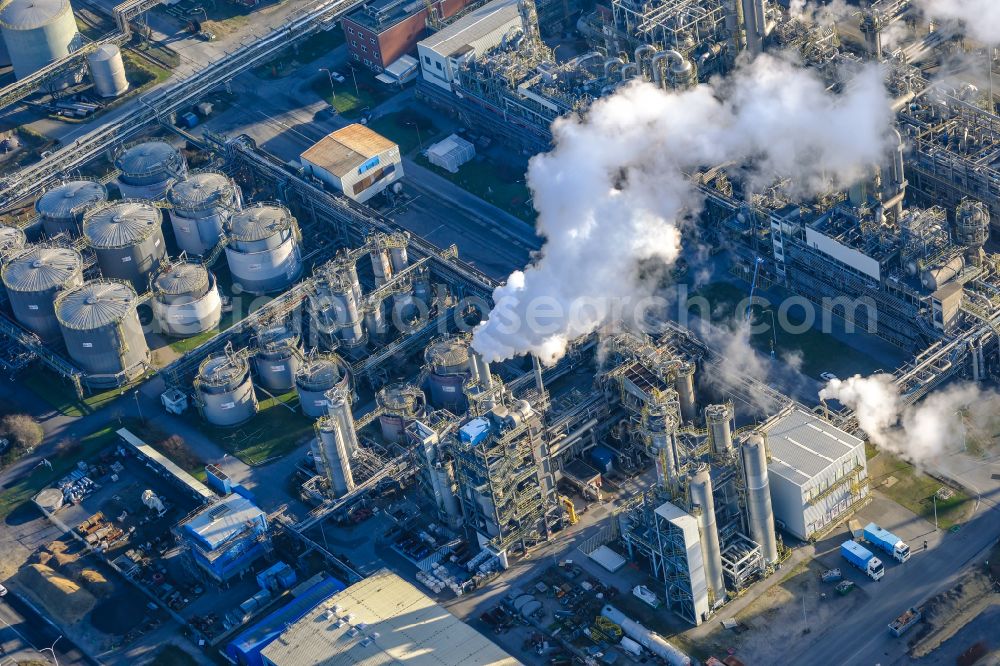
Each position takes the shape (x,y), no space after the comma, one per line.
(451,153)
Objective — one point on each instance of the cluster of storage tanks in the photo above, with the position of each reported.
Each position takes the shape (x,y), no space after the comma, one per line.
(43,271)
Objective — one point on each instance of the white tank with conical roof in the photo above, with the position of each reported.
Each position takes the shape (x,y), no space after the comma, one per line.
(61,208)
(148,169)
(108,71)
(279,354)
(34,278)
(37,33)
(263,249)
(224,391)
(185,299)
(315,376)
(127,238)
(102,331)
(201,203)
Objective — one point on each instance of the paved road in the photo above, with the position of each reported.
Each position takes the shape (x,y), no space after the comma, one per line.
(23,632)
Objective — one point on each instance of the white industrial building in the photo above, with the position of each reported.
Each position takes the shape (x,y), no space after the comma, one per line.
(443,53)
(382,619)
(818,473)
(354,160)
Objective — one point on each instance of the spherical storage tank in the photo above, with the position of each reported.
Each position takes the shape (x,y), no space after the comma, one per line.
(108,71)
(62,208)
(127,239)
(34,278)
(102,331)
(314,377)
(185,299)
(263,250)
(224,390)
(148,169)
(37,33)
(201,202)
(278,358)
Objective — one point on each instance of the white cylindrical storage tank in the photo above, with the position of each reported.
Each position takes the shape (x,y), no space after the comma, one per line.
(684,384)
(61,209)
(701,497)
(263,250)
(102,331)
(33,279)
(720,432)
(37,33)
(330,450)
(127,238)
(148,169)
(224,391)
(447,360)
(108,71)
(647,638)
(279,354)
(186,300)
(400,404)
(201,203)
(445,479)
(315,377)
(12,241)
(761,514)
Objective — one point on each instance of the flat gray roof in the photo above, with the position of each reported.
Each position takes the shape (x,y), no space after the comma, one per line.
(473,26)
(802,445)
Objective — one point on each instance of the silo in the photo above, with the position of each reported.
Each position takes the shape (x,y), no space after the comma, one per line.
(12,241)
(61,209)
(201,204)
(108,71)
(279,354)
(684,385)
(761,515)
(447,361)
(659,425)
(147,169)
(37,33)
(34,278)
(400,404)
(336,443)
(334,306)
(102,331)
(317,375)
(703,508)
(127,239)
(224,391)
(263,250)
(185,299)
(718,419)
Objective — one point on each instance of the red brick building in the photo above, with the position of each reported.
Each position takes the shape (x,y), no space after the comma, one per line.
(384,30)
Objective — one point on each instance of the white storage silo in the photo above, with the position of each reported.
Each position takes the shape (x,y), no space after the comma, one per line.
(400,405)
(61,208)
(108,71)
(263,250)
(758,495)
(33,279)
(185,299)
(279,354)
(224,391)
(102,331)
(148,169)
(447,361)
(127,238)
(317,375)
(201,204)
(37,33)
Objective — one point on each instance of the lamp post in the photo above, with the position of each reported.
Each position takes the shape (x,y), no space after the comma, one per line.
(417,127)
(354,78)
(52,649)
(138,406)
(329,76)
(774,340)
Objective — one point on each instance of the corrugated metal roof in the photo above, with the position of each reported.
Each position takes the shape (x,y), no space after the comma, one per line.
(343,151)
(67,200)
(95,304)
(147,158)
(803,445)
(121,223)
(42,268)
(221,521)
(411,629)
(472,27)
(259,222)
(200,189)
(182,278)
(30,14)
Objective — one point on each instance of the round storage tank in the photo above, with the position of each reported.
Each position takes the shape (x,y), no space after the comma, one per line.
(224,391)
(61,209)
(447,360)
(278,358)
(148,169)
(263,249)
(102,331)
(12,241)
(34,278)
(186,300)
(128,240)
(37,33)
(108,71)
(316,376)
(400,404)
(202,202)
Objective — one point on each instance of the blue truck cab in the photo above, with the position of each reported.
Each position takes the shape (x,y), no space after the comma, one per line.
(862,558)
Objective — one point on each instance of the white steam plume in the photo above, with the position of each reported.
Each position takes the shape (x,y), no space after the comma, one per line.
(921,432)
(980,19)
(611,192)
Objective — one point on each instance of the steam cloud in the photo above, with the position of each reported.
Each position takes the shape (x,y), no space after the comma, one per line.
(611,193)
(979,18)
(920,432)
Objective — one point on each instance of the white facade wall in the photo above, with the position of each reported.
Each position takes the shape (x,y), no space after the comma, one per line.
(388,161)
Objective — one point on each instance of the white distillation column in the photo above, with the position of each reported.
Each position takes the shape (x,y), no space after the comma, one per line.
(761,518)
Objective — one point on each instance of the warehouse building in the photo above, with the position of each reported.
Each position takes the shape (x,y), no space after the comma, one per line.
(484,28)
(354,160)
(818,473)
(225,538)
(380,620)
